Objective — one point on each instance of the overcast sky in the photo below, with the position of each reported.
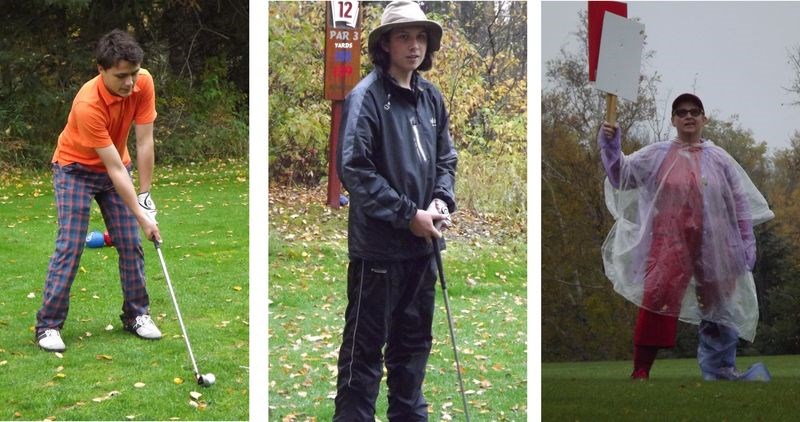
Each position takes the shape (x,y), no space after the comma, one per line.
(735,54)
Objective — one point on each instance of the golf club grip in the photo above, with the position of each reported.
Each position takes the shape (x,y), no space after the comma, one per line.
(437,255)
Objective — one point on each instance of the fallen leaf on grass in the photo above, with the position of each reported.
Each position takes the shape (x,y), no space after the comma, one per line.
(177,380)
(31,295)
(109,327)
(195,395)
(130,417)
(3,362)
(106,397)
(102,357)
(237,288)
(193,403)
(77,404)
(60,375)
(139,385)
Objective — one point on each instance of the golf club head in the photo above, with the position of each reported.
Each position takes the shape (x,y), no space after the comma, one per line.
(206,380)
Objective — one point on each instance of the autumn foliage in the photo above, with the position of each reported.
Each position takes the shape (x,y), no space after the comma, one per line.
(480,71)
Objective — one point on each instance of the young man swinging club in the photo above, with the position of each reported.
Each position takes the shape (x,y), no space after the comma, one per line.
(91,161)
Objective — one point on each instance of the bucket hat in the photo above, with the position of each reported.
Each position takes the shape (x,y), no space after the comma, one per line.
(404,13)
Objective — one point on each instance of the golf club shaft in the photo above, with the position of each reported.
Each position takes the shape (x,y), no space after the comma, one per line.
(438,256)
(177,310)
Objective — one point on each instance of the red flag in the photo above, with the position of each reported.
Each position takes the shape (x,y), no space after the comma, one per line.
(597,9)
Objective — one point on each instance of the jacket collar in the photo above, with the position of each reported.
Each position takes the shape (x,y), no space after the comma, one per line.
(391,83)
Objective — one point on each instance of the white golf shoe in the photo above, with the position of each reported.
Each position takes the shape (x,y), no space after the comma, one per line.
(50,340)
(144,327)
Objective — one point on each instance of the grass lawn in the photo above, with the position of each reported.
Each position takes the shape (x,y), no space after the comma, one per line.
(600,391)
(203,217)
(307,272)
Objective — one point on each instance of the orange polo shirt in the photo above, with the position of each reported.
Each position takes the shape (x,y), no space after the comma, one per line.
(99,119)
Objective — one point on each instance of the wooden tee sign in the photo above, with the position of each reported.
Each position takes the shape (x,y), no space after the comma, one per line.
(342,48)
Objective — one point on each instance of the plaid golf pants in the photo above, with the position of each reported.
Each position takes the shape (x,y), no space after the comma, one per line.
(75,187)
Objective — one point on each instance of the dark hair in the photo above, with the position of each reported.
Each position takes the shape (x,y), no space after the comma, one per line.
(115,46)
(381,58)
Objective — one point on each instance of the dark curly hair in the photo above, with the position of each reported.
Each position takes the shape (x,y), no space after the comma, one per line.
(381,58)
(115,46)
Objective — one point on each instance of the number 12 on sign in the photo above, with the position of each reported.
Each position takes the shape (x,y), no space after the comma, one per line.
(344,11)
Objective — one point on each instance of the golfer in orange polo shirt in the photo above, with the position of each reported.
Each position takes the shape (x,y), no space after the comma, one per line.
(91,162)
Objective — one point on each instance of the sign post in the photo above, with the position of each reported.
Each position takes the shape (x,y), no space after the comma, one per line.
(342,64)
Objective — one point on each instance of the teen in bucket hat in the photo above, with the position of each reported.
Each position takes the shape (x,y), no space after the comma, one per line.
(395,156)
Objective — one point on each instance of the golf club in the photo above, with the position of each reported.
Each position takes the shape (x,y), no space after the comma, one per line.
(204,380)
(438,256)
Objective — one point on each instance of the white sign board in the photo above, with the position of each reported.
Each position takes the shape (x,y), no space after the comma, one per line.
(620,59)
(344,12)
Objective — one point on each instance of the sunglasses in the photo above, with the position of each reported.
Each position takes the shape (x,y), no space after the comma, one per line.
(683,112)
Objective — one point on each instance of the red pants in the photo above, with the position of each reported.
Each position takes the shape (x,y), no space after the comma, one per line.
(675,249)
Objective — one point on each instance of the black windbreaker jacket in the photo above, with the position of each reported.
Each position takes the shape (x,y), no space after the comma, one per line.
(394,156)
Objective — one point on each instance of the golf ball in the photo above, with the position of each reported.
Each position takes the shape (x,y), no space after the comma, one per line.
(209,379)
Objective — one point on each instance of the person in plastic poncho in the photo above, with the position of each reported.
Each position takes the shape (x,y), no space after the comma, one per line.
(683,245)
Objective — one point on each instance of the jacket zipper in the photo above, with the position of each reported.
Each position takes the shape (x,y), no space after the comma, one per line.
(414,129)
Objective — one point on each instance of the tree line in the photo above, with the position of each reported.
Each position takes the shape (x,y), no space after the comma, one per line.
(197,51)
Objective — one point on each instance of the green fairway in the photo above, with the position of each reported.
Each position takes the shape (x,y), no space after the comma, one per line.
(486,281)
(202,215)
(600,391)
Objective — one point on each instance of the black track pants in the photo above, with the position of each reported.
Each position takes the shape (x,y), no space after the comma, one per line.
(391,304)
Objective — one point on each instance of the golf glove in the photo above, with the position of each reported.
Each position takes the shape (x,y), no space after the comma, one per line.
(147,204)
(439,206)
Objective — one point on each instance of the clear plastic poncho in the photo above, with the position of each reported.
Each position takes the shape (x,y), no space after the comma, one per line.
(683,242)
